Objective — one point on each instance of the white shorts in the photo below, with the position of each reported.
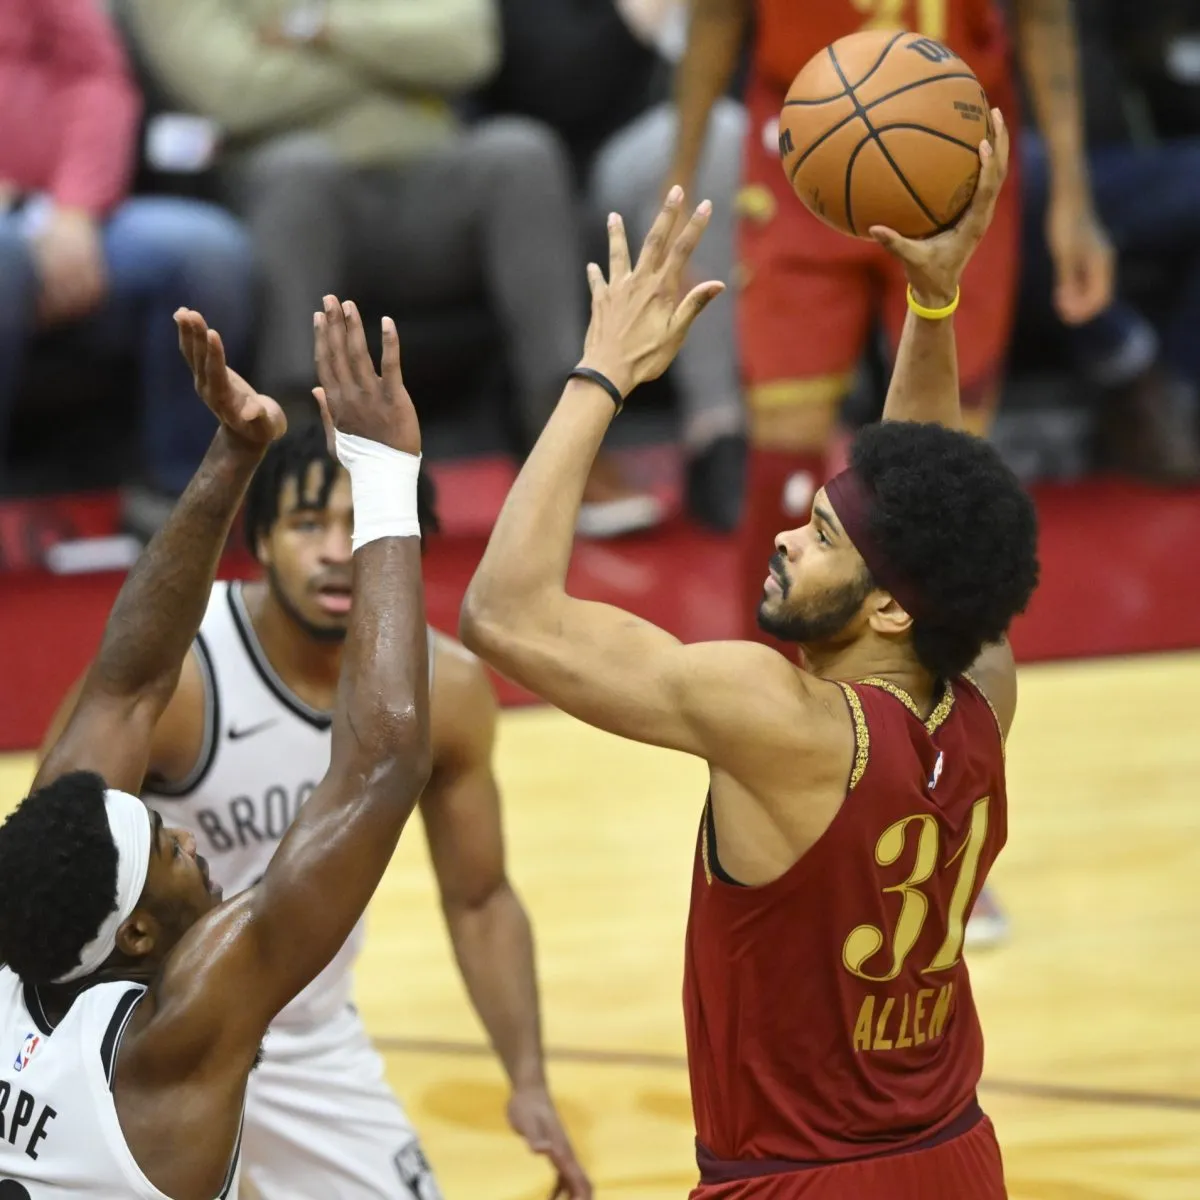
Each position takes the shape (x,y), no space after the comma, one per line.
(321,1121)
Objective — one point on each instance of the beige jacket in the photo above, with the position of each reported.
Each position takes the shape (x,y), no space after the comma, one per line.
(378,87)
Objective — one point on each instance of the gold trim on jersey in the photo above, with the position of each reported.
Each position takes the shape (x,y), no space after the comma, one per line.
(995,715)
(862,735)
(936,719)
(704,843)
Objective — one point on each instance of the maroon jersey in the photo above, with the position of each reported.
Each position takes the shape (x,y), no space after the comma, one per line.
(829,1013)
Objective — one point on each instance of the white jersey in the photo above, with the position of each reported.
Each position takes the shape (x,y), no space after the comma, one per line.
(59,1132)
(264,751)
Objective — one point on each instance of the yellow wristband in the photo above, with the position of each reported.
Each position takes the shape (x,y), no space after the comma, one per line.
(932,314)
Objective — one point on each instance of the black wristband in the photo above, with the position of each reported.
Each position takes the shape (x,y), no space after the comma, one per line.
(602,381)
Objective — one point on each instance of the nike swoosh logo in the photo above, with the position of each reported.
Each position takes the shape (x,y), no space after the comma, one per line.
(237,734)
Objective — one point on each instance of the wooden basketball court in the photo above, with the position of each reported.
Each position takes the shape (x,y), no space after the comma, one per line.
(1092,1011)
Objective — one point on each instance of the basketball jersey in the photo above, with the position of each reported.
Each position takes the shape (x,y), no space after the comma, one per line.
(789,32)
(263,753)
(59,1132)
(829,1013)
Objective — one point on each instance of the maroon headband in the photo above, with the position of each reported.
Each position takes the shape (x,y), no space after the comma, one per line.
(852,503)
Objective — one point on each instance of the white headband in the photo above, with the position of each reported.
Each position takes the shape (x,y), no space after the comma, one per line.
(129,824)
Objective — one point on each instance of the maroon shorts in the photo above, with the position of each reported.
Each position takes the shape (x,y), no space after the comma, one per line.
(966,1167)
(809,294)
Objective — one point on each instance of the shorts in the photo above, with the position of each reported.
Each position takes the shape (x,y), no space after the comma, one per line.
(967,1167)
(809,295)
(321,1121)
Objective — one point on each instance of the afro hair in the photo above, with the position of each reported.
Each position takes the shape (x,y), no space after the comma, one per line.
(58,877)
(949,515)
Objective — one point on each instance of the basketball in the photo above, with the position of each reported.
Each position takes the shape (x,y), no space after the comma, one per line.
(883,128)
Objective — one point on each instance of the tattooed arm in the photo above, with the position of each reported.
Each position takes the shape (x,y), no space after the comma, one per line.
(1083,258)
(158,611)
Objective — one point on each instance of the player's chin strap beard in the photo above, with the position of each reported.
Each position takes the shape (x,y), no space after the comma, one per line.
(129,823)
(851,501)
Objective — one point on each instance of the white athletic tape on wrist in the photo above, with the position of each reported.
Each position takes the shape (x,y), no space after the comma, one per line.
(129,824)
(383,483)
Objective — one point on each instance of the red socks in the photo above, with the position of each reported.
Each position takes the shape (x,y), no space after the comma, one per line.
(780,485)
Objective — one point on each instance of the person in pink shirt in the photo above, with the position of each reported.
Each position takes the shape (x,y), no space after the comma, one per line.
(77,249)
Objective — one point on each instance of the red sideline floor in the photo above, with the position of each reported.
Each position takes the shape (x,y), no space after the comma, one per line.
(1120,569)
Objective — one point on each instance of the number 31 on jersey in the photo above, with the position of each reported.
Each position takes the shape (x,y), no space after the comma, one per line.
(865,941)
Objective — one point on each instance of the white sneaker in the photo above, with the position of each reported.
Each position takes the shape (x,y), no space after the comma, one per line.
(615,518)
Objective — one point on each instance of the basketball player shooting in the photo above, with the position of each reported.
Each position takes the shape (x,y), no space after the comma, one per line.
(854,807)
(133,999)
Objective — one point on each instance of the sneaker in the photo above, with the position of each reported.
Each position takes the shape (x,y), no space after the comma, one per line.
(612,508)
(987,925)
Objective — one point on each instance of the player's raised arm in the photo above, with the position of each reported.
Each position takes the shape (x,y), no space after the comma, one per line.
(924,385)
(234,971)
(159,608)
(600,663)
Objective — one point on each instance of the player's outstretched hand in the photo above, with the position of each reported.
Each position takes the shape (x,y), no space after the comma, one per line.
(254,418)
(531,1114)
(638,319)
(352,397)
(935,265)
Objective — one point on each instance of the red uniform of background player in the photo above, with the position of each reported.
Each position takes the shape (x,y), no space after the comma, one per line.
(809,296)
(832,1041)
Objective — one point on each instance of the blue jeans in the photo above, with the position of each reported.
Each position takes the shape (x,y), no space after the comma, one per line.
(1148,198)
(161,252)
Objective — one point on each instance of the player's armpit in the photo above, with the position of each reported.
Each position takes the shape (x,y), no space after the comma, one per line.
(994,672)
(720,701)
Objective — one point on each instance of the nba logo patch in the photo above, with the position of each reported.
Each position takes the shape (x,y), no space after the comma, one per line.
(937,770)
(32,1042)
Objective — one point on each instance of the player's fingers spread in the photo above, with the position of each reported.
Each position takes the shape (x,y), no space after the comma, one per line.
(889,239)
(183,329)
(200,365)
(216,357)
(991,173)
(393,376)
(654,249)
(335,334)
(357,350)
(696,301)
(687,241)
(195,331)
(321,349)
(595,278)
(1001,142)
(979,212)
(326,420)
(618,248)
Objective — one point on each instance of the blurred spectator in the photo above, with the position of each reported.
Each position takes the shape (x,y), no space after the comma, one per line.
(597,70)
(75,249)
(1147,192)
(347,159)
